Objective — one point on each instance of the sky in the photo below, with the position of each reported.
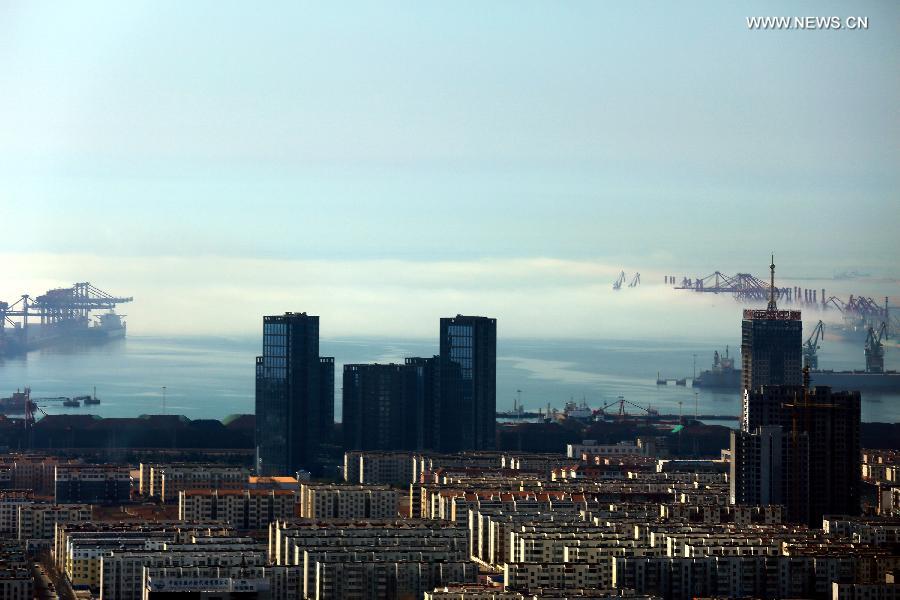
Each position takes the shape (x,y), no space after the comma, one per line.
(386,163)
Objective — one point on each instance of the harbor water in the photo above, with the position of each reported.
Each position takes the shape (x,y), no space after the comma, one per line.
(212,377)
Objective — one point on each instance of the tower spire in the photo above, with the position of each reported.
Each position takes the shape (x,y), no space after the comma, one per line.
(772,305)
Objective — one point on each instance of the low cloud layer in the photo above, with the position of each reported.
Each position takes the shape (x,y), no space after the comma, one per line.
(532,298)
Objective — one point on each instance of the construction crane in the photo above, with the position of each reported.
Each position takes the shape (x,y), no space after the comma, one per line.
(875,349)
(635,281)
(811,346)
(617,284)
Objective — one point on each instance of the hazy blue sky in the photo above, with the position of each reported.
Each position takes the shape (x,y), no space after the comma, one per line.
(376,151)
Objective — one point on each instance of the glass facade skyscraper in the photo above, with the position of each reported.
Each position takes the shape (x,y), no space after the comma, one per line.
(393,406)
(326,399)
(288,395)
(469,383)
(426,389)
(377,407)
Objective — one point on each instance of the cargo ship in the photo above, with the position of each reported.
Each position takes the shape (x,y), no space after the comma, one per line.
(887,381)
(89,399)
(722,375)
(59,316)
(15,404)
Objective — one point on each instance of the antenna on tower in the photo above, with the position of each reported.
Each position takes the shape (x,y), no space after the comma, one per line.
(772,305)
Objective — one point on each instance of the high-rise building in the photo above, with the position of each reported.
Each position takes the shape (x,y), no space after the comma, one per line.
(759,466)
(326,398)
(288,395)
(771,345)
(379,407)
(469,383)
(425,374)
(805,441)
(799,447)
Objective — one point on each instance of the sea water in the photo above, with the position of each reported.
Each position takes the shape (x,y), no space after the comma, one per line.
(213,377)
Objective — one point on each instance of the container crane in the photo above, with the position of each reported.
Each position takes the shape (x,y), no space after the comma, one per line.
(62,305)
(635,281)
(875,349)
(622,415)
(811,346)
(617,284)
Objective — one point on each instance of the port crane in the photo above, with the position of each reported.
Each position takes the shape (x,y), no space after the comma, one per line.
(743,286)
(875,349)
(617,284)
(31,408)
(59,305)
(621,402)
(811,346)
(635,281)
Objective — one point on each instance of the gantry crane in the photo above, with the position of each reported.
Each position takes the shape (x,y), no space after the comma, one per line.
(811,346)
(61,304)
(743,286)
(875,349)
(621,414)
(635,281)
(617,284)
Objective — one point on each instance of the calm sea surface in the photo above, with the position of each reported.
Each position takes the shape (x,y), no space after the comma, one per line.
(212,377)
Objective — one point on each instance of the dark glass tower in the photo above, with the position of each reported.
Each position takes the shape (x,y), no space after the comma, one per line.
(380,407)
(288,395)
(468,383)
(326,398)
(425,386)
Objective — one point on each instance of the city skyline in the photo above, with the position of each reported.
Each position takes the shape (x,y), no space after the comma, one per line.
(393,300)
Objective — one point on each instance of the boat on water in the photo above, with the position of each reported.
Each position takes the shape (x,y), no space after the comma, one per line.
(722,375)
(89,398)
(15,404)
(887,381)
(109,326)
(580,412)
